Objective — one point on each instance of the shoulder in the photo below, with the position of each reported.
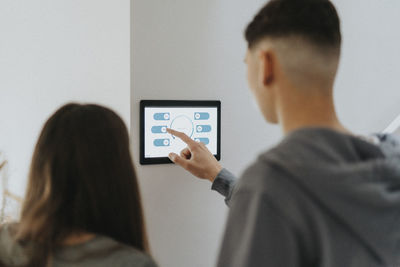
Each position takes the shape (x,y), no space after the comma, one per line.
(268,182)
(265,174)
(7,235)
(265,178)
(11,252)
(122,255)
(135,258)
(277,176)
(299,155)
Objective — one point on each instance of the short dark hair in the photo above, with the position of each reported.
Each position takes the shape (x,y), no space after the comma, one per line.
(315,20)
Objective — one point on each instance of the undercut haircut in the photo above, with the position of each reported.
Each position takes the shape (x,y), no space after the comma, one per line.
(314,20)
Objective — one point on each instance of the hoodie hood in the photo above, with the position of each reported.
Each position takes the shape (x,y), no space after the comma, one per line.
(356,180)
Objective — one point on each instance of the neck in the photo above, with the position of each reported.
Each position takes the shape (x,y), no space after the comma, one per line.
(299,111)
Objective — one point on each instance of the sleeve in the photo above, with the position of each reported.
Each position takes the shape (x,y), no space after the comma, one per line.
(258,235)
(224,184)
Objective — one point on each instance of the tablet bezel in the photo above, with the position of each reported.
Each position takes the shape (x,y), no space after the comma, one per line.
(175,103)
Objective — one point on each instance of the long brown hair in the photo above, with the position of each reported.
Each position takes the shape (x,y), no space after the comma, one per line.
(82,179)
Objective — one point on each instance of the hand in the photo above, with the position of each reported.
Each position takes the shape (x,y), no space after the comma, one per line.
(196,158)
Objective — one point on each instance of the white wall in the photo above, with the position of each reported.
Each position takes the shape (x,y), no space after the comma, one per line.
(367,88)
(53,52)
(194,50)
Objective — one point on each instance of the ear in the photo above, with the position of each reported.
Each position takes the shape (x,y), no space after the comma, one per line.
(267,67)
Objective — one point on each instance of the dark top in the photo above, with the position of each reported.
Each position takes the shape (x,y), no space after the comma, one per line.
(319,198)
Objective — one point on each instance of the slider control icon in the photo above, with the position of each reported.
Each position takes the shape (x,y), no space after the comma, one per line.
(203,128)
(159,129)
(161,116)
(201,116)
(161,142)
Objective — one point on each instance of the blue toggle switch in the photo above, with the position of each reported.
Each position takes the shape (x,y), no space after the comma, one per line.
(161,116)
(159,129)
(161,142)
(203,128)
(201,116)
(206,141)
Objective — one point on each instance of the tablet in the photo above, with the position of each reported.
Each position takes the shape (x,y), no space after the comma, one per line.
(200,120)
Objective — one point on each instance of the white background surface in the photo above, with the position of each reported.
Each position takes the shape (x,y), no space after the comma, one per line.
(52,52)
(188,49)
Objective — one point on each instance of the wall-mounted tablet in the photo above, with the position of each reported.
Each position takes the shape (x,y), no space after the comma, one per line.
(200,120)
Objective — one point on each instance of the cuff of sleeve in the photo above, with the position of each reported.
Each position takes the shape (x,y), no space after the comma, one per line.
(224,182)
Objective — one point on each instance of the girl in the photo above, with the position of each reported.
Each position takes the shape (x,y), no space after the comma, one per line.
(82,206)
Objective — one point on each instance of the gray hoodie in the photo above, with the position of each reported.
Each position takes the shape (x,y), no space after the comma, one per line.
(319,198)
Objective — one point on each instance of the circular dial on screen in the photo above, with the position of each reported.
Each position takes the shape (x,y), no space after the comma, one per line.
(183,124)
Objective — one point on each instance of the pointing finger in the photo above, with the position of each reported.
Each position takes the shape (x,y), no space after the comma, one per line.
(182,136)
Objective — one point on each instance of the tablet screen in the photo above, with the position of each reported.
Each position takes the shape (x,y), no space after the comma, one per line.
(197,119)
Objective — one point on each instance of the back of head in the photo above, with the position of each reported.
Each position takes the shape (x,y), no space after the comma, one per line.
(314,20)
(82,180)
(305,33)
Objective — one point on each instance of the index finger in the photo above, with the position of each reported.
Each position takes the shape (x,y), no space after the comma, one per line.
(189,141)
